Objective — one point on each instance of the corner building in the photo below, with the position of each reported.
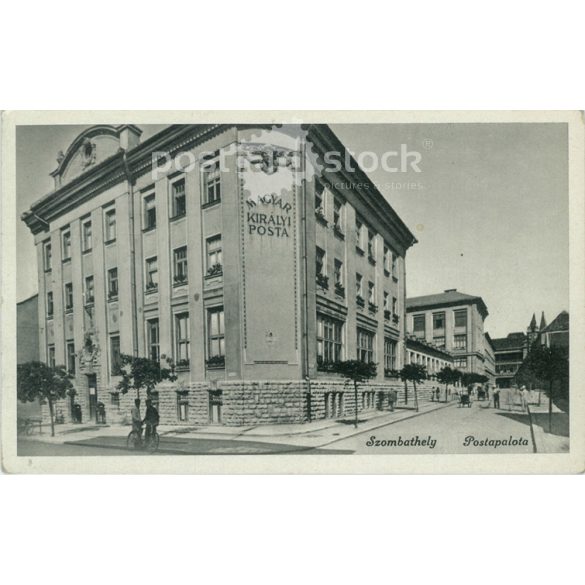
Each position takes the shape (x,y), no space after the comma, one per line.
(219,246)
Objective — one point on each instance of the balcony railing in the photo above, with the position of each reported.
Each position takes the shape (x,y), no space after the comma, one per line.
(322,280)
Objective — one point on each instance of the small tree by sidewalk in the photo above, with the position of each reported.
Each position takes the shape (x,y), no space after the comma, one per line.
(37,380)
(551,366)
(140,373)
(448,376)
(356,371)
(414,373)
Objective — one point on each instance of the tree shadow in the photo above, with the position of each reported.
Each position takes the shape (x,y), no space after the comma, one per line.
(560,422)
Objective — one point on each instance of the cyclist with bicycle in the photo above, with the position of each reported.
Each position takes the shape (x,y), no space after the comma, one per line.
(151,419)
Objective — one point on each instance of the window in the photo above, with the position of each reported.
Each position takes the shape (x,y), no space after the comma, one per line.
(182,339)
(216,333)
(371,293)
(66,241)
(371,245)
(319,198)
(178,198)
(439,341)
(387,259)
(69,297)
(86,237)
(394,306)
(183,406)
(47,256)
(460,362)
(359,283)
(110,227)
(338,271)
(51,356)
(50,304)
(115,400)
(149,212)
(329,339)
(212,182)
(365,346)
(394,265)
(358,233)
(112,283)
(180,265)
(389,354)
(151,274)
(419,328)
(439,320)
(338,214)
(115,355)
(320,262)
(460,318)
(386,302)
(214,256)
(70,357)
(460,342)
(89,290)
(153,339)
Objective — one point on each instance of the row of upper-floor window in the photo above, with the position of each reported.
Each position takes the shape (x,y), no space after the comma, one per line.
(459,341)
(431,363)
(331,345)
(178,202)
(439,320)
(365,236)
(180,273)
(214,335)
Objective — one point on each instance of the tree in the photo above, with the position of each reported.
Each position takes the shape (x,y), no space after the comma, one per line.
(357,371)
(414,373)
(143,373)
(550,365)
(469,378)
(447,376)
(36,380)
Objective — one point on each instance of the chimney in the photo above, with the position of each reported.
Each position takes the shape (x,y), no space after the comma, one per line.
(451,290)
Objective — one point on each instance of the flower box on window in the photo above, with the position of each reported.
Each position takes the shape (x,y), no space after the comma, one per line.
(90,300)
(320,215)
(373,307)
(113,294)
(183,364)
(151,286)
(360,301)
(323,366)
(340,289)
(216,361)
(322,280)
(338,232)
(387,315)
(391,373)
(395,318)
(372,260)
(215,270)
(180,279)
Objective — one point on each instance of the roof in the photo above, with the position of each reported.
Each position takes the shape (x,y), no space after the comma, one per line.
(560,323)
(450,297)
(512,342)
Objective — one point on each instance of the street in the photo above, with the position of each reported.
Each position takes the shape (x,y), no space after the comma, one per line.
(445,431)
(438,428)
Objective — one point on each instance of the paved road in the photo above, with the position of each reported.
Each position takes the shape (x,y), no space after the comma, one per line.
(27,448)
(445,431)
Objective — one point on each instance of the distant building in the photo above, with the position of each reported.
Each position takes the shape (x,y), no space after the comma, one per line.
(27,345)
(490,358)
(557,333)
(510,352)
(434,358)
(452,321)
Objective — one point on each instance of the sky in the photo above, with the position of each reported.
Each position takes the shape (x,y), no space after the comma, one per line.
(489,208)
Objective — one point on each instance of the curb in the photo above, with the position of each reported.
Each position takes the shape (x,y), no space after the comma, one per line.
(532,436)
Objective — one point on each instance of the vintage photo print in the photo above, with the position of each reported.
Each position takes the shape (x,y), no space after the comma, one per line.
(293,292)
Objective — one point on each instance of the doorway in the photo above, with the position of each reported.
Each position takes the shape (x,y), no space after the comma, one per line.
(215,404)
(93,396)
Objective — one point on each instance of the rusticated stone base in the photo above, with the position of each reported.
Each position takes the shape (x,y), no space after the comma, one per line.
(240,403)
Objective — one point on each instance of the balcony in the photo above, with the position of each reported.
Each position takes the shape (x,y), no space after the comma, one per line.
(339,289)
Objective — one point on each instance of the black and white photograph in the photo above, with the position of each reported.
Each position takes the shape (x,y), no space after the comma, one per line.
(305,288)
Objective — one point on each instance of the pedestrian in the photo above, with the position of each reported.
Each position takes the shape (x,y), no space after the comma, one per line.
(523,398)
(496,395)
(392,398)
(433,394)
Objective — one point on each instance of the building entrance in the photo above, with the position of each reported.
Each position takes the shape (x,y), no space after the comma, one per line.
(93,396)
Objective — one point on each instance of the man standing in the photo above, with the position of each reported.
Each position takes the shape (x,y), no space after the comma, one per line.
(392,397)
(151,419)
(496,394)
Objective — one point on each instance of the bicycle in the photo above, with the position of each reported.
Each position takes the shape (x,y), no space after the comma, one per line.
(135,441)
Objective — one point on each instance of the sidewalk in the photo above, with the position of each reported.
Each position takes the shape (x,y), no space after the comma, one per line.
(556,441)
(277,438)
